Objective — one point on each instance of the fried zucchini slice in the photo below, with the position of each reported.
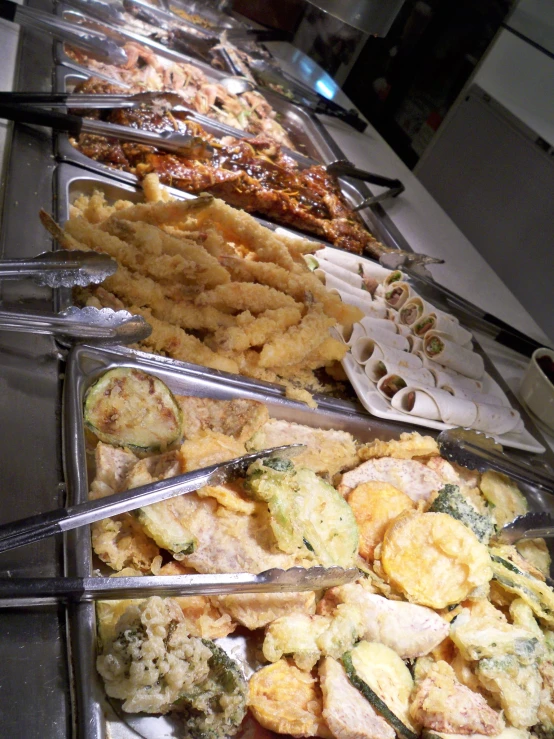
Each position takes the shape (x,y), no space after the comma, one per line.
(504,496)
(537,594)
(127,407)
(451,501)
(377,703)
(387,676)
(307,514)
(433,559)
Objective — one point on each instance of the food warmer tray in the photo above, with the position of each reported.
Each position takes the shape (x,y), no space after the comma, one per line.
(300,124)
(73,181)
(85,365)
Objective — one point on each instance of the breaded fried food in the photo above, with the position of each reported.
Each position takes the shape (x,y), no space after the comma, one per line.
(239,418)
(255,330)
(287,700)
(240,296)
(298,341)
(375,505)
(407,447)
(434,559)
(257,610)
(412,477)
(121,542)
(207,448)
(328,451)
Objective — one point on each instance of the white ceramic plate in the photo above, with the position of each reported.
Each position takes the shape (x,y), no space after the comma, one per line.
(374,403)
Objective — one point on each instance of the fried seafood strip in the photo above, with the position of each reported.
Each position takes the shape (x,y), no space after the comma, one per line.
(148,250)
(409,446)
(242,296)
(240,227)
(298,341)
(300,284)
(255,331)
(175,342)
(140,291)
(164,213)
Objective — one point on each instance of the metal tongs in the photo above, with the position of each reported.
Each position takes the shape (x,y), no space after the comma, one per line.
(477,451)
(61,268)
(40,591)
(85,324)
(95,42)
(34,528)
(344,168)
(75,125)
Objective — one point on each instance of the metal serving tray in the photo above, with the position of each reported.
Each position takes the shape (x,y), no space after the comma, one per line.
(96,718)
(305,130)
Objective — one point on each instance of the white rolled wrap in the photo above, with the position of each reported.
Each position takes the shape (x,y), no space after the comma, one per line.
(445,377)
(369,307)
(364,350)
(435,404)
(414,306)
(458,391)
(416,377)
(403,330)
(496,419)
(395,276)
(369,322)
(333,270)
(397,294)
(389,338)
(349,335)
(448,325)
(416,344)
(453,356)
(376,369)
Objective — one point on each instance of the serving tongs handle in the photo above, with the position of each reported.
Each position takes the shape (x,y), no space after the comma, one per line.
(34,528)
(85,324)
(38,591)
(94,42)
(61,268)
(344,168)
(177,143)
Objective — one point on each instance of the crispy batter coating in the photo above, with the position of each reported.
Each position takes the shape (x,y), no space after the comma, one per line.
(255,331)
(375,505)
(407,447)
(284,699)
(298,341)
(240,296)
(239,418)
(434,559)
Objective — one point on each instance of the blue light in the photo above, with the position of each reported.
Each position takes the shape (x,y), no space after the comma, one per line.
(325,89)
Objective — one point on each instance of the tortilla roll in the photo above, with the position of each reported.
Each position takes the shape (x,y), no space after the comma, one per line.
(348,335)
(496,419)
(389,338)
(460,392)
(395,276)
(438,347)
(413,309)
(416,344)
(333,270)
(448,325)
(403,330)
(368,306)
(445,376)
(436,405)
(397,294)
(369,352)
(369,323)
(393,382)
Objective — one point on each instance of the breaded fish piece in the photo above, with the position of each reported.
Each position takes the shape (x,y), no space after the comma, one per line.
(238,418)
(411,477)
(410,630)
(329,451)
(347,713)
(444,704)
(257,610)
(112,466)
(408,446)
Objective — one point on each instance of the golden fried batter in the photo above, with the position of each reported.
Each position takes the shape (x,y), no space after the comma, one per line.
(407,447)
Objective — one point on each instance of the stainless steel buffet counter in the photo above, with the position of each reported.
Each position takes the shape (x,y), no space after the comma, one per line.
(36,690)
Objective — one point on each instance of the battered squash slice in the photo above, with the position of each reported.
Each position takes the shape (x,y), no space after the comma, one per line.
(433,559)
